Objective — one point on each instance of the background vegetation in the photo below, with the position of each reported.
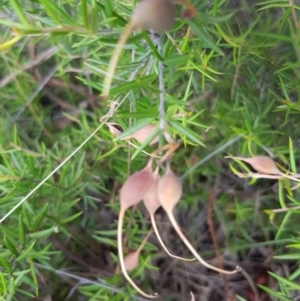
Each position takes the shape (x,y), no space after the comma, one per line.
(232,86)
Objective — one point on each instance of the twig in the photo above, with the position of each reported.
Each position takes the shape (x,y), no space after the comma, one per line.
(215,241)
(83,281)
(78,89)
(44,56)
(60,102)
(296,25)
(72,255)
(252,284)
(235,80)
(29,101)
(294,15)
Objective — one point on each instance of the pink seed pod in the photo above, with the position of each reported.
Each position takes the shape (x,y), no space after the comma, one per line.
(131,194)
(143,134)
(131,260)
(152,203)
(169,194)
(169,190)
(156,15)
(262,164)
(150,198)
(135,187)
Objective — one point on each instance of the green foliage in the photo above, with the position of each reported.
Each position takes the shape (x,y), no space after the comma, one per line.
(231,74)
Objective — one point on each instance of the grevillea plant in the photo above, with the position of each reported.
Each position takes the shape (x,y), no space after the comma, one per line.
(156,191)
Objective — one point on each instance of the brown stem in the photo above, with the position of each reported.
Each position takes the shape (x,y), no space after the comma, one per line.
(189,6)
(215,241)
(140,248)
(135,146)
(187,243)
(252,284)
(162,243)
(171,148)
(121,257)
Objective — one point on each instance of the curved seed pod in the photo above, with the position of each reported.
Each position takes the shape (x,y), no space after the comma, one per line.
(150,198)
(169,190)
(169,193)
(135,187)
(152,203)
(261,164)
(158,15)
(131,194)
(115,128)
(142,135)
(131,260)
(266,167)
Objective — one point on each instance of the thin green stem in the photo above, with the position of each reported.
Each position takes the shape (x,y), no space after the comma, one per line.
(85,14)
(20,12)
